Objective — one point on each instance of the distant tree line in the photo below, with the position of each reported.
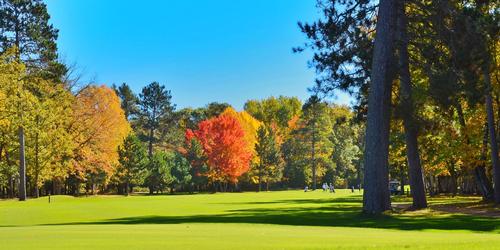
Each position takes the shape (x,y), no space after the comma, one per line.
(61,136)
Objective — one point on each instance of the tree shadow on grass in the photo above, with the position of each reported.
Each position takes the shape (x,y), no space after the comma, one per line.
(339,212)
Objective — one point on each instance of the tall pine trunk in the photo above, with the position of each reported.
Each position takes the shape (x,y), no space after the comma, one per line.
(493,136)
(313,156)
(22,167)
(409,123)
(150,143)
(376,197)
(37,166)
(260,174)
(482,180)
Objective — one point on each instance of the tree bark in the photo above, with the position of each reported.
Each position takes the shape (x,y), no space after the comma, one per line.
(313,154)
(150,146)
(22,159)
(10,191)
(402,176)
(22,167)
(260,175)
(482,180)
(376,197)
(409,123)
(493,136)
(37,167)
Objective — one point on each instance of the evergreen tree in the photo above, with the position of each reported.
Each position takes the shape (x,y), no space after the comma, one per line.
(193,152)
(270,164)
(407,104)
(376,195)
(128,99)
(316,128)
(159,175)
(181,171)
(155,113)
(132,163)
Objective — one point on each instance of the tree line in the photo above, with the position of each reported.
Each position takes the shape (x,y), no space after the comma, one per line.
(58,136)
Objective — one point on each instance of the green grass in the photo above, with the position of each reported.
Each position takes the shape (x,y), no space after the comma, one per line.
(268,220)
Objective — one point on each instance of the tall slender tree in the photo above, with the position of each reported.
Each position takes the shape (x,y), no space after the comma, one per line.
(408,113)
(376,197)
(155,111)
(269,166)
(25,25)
(315,130)
(132,163)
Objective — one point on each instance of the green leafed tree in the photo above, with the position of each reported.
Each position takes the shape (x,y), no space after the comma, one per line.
(128,100)
(132,158)
(181,171)
(307,151)
(269,168)
(346,155)
(155,114)
(159,175)
(193,152)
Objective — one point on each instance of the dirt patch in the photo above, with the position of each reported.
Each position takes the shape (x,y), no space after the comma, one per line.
(469,208)
(478,209)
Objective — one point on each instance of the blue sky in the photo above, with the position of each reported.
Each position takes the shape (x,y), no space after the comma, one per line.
(202,50)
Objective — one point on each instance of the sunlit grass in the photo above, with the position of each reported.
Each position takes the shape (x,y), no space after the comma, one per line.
(267,220)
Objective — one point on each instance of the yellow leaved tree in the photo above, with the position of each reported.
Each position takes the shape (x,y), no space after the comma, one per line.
(99,128)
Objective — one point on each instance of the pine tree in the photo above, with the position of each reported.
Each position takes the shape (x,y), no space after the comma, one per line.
(155,113)
(132,160)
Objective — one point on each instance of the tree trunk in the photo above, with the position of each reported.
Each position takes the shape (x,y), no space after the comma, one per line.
(402,177)
(260,175)
(482,180)
(22,166)
(150,146)
(37,166)
(409,123)
(453,174)
(376,197)
(10,191)
(493,136)
(313,156)
(35,186)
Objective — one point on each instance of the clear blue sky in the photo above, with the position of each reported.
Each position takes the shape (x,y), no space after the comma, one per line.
(202,50)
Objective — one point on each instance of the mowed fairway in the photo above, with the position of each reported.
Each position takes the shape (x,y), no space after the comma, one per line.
(267,220)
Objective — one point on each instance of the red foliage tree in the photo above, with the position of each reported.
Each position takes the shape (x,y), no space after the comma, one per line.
(222,139)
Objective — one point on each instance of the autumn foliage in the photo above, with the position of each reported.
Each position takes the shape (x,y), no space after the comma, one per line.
(227,151)
(100,127)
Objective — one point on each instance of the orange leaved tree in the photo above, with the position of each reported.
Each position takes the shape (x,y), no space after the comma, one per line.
(228,155)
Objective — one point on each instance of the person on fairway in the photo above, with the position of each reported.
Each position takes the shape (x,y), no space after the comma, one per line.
(332,189)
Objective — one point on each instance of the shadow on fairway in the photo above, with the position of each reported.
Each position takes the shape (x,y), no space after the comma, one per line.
(339,212)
